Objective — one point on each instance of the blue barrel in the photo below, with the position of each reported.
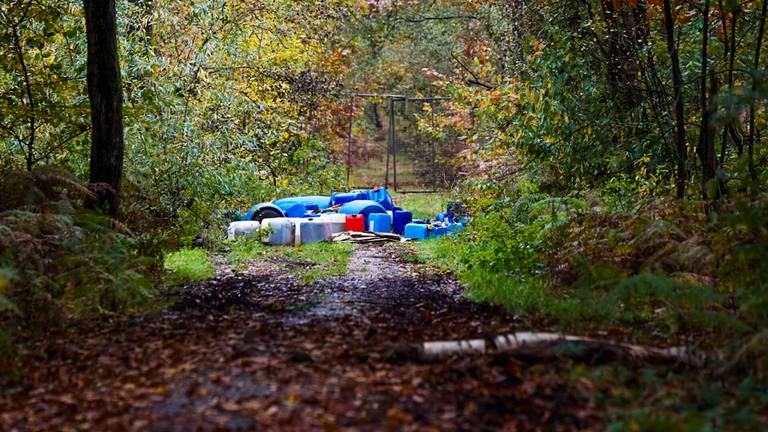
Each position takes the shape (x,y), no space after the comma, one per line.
(381,196)
(440,231)
(380,223)
(445,217)
(416,231)
(362,207)
(322,202)
(262,211)
(295,210)
(401,218)
(347,197)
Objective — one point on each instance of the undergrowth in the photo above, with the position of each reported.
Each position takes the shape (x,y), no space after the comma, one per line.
(662,269)
(654,271)
(59,261)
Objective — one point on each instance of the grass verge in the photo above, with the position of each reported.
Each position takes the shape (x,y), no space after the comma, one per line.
(189,265)
(524,295)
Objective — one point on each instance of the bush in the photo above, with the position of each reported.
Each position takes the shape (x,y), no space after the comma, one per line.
(647,263)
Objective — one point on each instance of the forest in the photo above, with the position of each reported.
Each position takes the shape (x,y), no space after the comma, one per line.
(610,159)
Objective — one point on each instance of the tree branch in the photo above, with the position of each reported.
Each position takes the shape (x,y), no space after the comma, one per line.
(420,18)
(61,144)
(475,79)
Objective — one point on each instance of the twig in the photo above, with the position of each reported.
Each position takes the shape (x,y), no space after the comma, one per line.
(475,79)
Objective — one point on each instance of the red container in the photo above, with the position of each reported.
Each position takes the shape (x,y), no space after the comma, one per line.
(356,223)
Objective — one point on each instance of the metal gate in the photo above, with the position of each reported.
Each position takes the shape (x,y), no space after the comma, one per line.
(411,161)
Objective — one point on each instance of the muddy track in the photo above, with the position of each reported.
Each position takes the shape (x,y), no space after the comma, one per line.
(257,350)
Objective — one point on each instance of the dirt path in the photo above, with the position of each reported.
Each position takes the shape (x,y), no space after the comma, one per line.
(259,351)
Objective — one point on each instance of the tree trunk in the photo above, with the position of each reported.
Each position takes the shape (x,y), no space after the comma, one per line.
(538,346)
(705,148)
(677,79)
(622,66)
(30,143)
(730,54)
(756,66)
(105,94)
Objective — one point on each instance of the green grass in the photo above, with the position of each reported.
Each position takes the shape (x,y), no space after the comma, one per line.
(423,206)
(310,262)
(586,304)
(492,259)
(327,259)
(523,295)
(189,265)
(439,251)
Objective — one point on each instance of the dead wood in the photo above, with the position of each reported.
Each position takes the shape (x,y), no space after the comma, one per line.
(543,346)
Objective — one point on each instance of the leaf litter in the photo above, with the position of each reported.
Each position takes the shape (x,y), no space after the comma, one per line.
(257,349)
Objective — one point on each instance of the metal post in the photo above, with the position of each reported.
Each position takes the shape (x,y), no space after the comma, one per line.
(434,159)
(417,133)
(389,141)
(394,145)
(349,140)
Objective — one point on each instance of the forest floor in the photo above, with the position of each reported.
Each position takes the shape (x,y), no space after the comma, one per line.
(256,349)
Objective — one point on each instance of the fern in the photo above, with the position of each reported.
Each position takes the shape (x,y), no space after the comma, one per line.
(659,287)
(601,276)
(63,258)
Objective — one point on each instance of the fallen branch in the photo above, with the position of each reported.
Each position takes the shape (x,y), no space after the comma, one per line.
(555,345)
(366,237)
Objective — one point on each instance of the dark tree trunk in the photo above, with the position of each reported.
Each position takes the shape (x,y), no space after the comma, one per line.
(706,148)
(677,79)
(18,47)
(622,66)
(105,94)
(730,56)
(756,66)
(376,117)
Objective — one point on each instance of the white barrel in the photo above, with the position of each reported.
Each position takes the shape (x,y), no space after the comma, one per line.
(315,231)
(297,226)
(283,231)
(242,229)
(338,222)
